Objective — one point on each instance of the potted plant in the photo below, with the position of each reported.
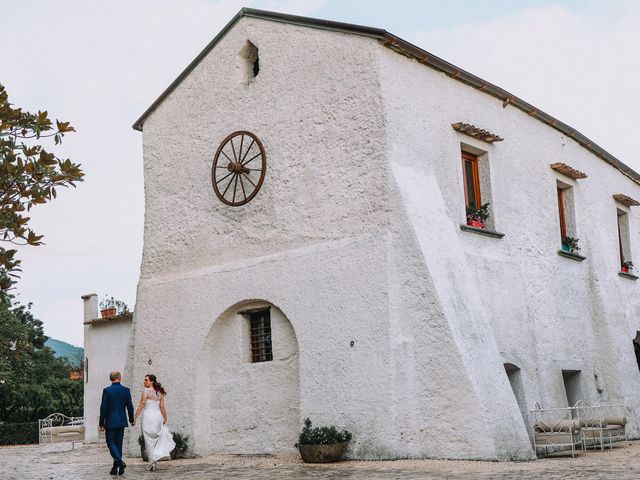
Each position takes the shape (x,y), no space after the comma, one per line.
(110,307)
(182,445)
(627,266)
(181,441)
(322,444)
(476,217)
(570,244)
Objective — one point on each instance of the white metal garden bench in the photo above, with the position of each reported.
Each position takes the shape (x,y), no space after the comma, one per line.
(601,424)
(555,429)
(57,427)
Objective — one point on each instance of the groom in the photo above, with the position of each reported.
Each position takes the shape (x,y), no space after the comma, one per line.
(113,418)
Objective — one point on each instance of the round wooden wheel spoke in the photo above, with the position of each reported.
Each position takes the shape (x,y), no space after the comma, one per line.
(238,169)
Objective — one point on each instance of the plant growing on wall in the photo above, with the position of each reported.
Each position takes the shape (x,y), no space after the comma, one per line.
(109,307)
(570,244)
(476,217)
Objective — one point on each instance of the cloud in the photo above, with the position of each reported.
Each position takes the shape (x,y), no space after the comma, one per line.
(100,65)
(294,7)
(574,65)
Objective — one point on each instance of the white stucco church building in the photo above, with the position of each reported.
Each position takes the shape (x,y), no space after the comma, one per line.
(307,250)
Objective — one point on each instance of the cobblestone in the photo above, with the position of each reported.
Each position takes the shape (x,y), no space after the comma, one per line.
(89,462)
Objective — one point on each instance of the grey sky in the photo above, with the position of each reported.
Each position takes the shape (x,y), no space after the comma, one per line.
(101,64)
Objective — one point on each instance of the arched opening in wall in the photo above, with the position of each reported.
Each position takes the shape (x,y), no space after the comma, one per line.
(636,348)
(250,62)
(515,379)
(250,376)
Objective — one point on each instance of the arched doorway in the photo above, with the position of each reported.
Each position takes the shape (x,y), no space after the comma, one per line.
(250,378)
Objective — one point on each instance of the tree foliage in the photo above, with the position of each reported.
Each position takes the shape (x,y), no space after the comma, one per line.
(29,176)
(33,382)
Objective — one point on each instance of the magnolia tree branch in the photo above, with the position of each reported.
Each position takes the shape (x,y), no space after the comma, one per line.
(29,176)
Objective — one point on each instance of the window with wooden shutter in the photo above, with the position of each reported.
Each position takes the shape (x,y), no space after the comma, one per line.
(471,175)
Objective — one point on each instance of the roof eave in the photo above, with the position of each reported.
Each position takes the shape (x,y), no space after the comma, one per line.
(412,51)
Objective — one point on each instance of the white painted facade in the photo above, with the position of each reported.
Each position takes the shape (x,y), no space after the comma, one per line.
(388,319)
(105,349)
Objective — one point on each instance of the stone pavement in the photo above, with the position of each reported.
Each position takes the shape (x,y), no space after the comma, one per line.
(92,462)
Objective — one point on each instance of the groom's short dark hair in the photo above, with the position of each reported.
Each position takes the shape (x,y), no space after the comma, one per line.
(113,376)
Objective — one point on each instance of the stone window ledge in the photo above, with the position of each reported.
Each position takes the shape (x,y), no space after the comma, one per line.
(481,231)
(630,276)
(572,256)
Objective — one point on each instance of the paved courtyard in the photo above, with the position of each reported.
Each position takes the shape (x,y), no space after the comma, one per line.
(93,462)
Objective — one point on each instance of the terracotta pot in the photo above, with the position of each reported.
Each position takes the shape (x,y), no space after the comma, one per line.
(475,223)
(322,453)
(108,312)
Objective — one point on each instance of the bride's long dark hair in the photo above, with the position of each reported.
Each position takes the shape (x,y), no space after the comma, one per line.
(157,386)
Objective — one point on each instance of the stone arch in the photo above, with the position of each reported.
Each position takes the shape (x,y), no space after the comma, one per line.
(247,407)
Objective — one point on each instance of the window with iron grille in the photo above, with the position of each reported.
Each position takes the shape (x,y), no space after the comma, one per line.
(260,336)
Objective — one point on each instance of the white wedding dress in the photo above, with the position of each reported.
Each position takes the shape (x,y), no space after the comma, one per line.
(158,441)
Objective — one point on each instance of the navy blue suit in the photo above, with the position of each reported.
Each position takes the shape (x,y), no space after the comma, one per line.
(113,417)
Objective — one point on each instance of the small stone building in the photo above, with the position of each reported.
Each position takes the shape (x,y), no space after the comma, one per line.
(106,341)
(307,250)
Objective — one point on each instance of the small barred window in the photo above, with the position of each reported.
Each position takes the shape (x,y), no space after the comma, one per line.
(260,335)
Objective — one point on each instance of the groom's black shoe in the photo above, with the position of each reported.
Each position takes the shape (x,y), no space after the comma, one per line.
(114,470)
(124,465)
(120,470)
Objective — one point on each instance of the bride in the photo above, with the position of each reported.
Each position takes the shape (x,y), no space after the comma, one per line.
(158,441)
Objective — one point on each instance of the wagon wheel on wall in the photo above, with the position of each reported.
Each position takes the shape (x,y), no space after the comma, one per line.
(238,168)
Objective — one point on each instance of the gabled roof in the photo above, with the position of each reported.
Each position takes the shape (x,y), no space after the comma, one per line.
(405,48)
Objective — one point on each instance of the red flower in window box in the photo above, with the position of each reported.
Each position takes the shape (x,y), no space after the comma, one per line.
(626,266)
(476,217)
(475,223)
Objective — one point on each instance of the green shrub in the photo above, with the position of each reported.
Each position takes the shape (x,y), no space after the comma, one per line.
(18,433)
(322,435)
(182,442)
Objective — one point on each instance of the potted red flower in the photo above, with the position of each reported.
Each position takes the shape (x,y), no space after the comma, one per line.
(626,266)
(476,217)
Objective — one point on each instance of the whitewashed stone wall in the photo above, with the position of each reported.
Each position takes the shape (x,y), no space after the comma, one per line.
(514,300)
(105,350)
(393,322)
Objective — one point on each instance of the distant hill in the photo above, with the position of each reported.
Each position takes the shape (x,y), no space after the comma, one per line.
(61,349)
